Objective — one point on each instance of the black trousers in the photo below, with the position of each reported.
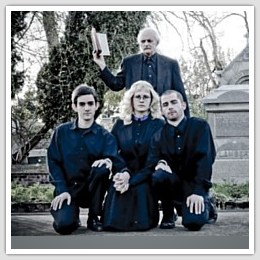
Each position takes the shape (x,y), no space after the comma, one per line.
(92,196)
(173,192)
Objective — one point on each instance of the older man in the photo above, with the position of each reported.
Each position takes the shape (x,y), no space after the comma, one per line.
(161,71)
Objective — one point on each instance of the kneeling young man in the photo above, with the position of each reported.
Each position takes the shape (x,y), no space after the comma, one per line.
(81,155)
(182,154)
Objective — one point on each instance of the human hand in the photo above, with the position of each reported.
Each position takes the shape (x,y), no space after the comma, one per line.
(162,165)
(58,200)
(195,203)
(101,162)
(99,60)
(121,181)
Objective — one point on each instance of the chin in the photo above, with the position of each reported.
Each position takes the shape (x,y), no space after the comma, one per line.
(147,53)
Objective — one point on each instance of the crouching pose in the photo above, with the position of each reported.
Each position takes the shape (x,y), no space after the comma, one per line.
(181,157)
(81,156)
(130,205)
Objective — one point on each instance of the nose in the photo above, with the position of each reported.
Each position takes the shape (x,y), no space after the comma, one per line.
(86,107)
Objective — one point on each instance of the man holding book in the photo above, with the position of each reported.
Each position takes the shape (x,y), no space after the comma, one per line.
(161,71)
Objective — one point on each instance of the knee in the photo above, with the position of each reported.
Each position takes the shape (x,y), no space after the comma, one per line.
(159,177)
(100,172)
(192,221)
(65,220)
(65,226)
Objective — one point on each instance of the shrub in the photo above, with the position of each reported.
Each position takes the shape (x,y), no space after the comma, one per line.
(224,192)
(31,193)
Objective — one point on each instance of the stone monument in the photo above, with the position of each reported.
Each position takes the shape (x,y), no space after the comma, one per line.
(228,116)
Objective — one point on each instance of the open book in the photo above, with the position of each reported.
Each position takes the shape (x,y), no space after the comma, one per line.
(99,41)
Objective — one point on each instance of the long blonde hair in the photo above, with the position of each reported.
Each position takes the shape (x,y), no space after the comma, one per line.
(126,105)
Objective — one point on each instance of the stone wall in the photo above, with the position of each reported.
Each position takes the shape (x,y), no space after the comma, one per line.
(228,116)
(28,174)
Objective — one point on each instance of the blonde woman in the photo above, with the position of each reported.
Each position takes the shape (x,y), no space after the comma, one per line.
(129,204)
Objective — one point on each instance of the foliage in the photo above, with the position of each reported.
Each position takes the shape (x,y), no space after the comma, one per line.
(71,62)
(18,26)
(44,192)
(111,102)
(198,33)
(230,191)
(25,123)
(32,193)
(197,82)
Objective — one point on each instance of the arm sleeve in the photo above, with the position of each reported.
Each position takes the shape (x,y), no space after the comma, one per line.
(205,157)
(111,151)
(178,86)
(115,83)
(54,160)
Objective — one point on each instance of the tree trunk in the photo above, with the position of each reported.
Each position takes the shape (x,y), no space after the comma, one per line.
(50,27)
(21,154)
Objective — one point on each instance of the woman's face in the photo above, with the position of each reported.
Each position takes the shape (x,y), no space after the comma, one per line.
(142,101)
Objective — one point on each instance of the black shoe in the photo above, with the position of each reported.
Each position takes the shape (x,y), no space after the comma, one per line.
(167,223)
(79,223)
(94,224)
(213,214)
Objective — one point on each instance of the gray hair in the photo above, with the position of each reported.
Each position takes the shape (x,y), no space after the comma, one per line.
(152,31)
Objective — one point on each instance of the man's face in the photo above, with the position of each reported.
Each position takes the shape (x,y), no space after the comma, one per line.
(86,107)
(148,43)
(172,107)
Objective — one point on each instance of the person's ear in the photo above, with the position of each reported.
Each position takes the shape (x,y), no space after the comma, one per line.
(184,105)
(74,107)
(97,105)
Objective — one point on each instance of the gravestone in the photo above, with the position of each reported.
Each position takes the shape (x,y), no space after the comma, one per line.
(228,116)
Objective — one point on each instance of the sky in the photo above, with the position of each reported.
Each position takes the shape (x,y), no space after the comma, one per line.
(230,35)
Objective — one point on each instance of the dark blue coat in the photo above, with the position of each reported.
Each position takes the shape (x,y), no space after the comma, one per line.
(168,75)
(135,209)
(189,151)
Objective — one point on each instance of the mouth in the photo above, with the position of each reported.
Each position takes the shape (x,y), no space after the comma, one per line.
(172,113)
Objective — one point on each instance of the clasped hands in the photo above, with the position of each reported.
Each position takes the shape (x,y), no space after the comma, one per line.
(121,181)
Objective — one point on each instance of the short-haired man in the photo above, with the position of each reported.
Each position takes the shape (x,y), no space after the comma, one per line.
(162,72)
(81,155)
(182,154)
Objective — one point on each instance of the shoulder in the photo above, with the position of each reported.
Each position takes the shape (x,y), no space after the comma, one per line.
(198,122)
(167,59)
(132,57)
(118,124)
(102,132)
(158,134)
(157,121)
(99,128)
(64,126)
